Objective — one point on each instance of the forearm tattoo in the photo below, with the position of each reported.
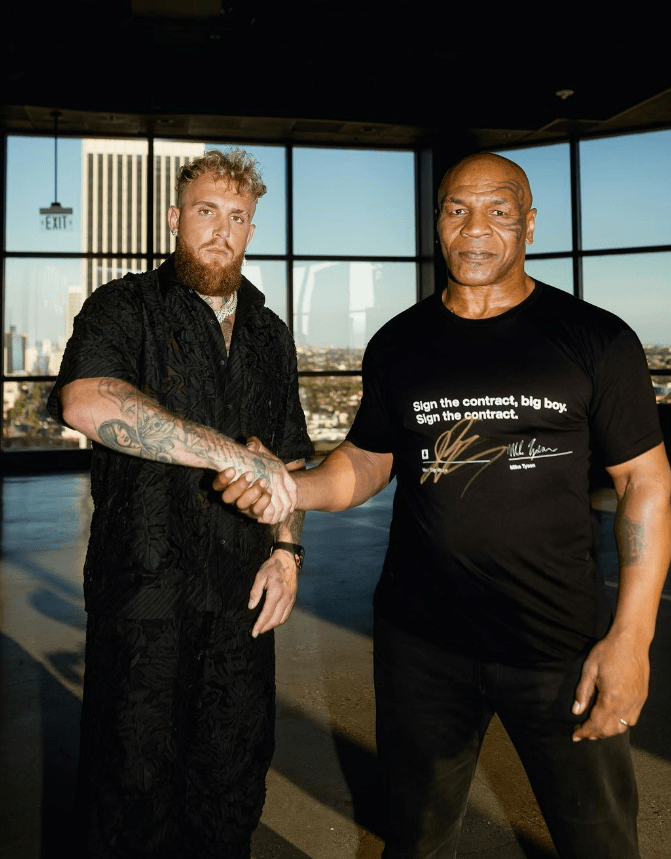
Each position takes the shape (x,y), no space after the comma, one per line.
(146,430)
(630,539)
(141,430)
(293,524)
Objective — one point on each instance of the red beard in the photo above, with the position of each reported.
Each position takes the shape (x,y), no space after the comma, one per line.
(207,278)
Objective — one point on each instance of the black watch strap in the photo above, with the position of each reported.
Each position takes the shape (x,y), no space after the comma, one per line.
(297,551)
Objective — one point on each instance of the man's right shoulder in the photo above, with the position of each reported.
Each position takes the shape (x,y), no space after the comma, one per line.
(407,323)
(132,280)
(127,289)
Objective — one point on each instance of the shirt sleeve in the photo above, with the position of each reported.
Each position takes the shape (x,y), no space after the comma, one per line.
(106,341)
(372,427)
(624,418)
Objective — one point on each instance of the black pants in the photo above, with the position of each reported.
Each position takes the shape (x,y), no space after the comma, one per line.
(433,708)
(177,737)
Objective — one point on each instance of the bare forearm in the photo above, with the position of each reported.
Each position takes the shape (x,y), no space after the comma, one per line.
(642,531)
(643,535)
(347,477)
(119,416)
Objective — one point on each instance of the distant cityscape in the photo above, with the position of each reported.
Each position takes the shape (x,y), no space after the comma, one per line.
(330,402)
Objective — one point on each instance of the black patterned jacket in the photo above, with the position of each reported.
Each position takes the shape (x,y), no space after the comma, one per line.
(162,543)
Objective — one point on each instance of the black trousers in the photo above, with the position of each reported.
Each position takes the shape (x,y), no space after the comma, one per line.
(177,737)
(433,708)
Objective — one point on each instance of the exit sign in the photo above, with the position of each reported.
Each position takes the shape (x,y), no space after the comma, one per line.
(56,219)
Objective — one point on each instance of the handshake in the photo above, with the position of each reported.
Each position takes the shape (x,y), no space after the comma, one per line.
(265,491)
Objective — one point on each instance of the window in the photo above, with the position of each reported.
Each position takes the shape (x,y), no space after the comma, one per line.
(334,253)
(621,256)
(349,205)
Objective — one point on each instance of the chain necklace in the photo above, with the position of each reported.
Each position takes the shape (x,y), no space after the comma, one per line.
(228,308)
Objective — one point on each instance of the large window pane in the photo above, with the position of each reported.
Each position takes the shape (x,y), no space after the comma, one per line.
(338,306)
(556,272)
(636,287)
(42,298)
(114,196)
(270,215)
(30,187)
(350,202)
(330,404)
(104,182)
(549,172)
(26,423)
(626,190)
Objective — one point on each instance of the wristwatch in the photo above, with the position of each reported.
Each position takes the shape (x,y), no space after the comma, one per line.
(297,551)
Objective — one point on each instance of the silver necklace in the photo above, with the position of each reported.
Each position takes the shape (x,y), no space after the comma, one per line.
(227,309)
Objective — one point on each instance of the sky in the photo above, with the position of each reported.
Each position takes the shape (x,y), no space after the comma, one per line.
(361,203)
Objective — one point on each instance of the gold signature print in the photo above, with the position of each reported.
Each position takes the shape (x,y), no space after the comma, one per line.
(450,448)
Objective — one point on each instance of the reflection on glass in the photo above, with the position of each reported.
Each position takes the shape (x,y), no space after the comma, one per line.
(270,276)
(354,202)
(549,172)
(625,187)
(330,404)
(42,298)
(556,272)
(26,423)
(637,288)
(338,306)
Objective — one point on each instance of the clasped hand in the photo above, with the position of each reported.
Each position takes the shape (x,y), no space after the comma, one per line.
(269,499)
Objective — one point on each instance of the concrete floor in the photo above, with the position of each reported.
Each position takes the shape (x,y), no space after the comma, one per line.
(322,798)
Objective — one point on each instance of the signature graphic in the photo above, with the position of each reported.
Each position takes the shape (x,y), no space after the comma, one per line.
(532,450)
(451,447)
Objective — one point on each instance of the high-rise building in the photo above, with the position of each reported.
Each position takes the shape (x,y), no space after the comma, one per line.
(15,351)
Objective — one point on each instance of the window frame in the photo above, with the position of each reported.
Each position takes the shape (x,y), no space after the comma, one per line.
(18,461)
(577,254)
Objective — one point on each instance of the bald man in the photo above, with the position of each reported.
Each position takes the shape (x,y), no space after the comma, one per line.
(485,402)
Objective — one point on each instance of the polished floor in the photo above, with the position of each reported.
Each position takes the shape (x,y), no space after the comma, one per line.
(322,798)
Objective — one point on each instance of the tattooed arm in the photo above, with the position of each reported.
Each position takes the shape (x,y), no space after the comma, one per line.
(116,414)
(618,668)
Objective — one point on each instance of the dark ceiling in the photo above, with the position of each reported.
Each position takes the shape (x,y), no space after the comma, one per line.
(475,76)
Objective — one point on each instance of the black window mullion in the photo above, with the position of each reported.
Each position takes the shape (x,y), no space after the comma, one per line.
(576,225)
(150,202)
(289,168)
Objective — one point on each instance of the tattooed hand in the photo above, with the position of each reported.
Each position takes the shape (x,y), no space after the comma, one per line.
(277,483)
(252,490)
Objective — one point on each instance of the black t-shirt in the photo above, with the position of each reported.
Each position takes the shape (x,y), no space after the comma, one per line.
(491,423)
